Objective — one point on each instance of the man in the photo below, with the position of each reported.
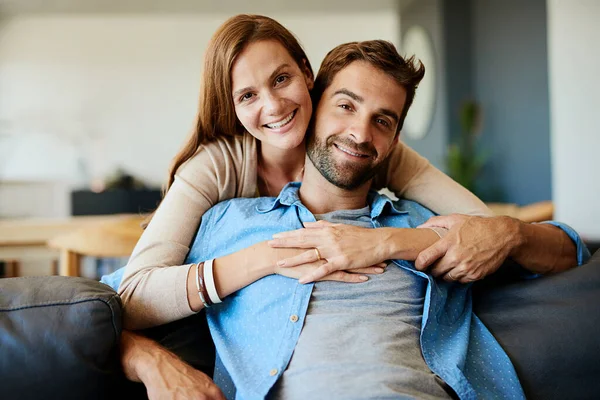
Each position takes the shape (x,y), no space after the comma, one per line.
(395,335)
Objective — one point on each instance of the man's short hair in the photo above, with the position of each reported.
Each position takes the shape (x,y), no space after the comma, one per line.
(382,55)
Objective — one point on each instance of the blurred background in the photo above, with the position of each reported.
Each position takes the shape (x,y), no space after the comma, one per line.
(97,96)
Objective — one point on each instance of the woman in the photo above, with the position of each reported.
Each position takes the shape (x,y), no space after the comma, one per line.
(255,108)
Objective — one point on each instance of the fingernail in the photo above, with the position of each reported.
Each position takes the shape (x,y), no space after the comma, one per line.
(277,235)
(363,278)
(303,280)
(379,270)
(383,264)
(281,263)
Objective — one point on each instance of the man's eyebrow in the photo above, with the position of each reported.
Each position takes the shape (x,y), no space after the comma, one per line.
(350,94)
(273,75)
(360,99)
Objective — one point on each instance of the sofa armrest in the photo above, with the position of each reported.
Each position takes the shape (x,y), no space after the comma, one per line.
(59,338)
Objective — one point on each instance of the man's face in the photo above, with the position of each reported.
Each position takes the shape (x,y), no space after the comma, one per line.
(355,125)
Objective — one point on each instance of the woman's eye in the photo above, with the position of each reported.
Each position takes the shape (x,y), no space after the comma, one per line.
(246,97)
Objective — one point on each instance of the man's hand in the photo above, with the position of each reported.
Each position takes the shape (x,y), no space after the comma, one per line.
(474,247)
(164,374)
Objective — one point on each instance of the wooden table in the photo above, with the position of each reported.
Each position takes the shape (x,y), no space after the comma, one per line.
(50,238)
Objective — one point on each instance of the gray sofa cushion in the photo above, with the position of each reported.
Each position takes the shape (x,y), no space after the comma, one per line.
(59,338)
(550,328)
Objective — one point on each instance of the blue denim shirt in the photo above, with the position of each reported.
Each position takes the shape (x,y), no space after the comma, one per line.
(256,329)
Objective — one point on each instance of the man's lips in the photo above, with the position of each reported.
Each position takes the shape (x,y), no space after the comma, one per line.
(351,152)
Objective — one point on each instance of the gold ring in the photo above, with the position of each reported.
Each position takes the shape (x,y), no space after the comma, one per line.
(318,254)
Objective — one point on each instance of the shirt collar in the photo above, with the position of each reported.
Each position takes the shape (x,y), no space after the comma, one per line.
(288,196)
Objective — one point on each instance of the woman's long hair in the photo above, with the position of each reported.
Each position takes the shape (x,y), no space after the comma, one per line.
(216,113)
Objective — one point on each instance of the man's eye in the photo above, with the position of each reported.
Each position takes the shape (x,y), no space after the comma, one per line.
(280,79)
(383,122)
(346,107)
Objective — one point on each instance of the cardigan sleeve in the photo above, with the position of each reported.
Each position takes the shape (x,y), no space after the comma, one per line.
(411,176)
(154,285)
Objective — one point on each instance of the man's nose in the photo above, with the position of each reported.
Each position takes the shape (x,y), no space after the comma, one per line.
(360,131)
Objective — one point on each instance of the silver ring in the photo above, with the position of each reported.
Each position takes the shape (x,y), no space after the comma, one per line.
(318,254)
(450,276)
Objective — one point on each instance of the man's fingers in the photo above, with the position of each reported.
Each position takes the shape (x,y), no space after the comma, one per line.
(443,221)
(433,221)
(431,254)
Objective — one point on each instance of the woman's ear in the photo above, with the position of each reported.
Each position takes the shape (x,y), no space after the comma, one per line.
(308,76)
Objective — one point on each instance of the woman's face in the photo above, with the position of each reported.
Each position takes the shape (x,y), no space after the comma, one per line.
(271,95)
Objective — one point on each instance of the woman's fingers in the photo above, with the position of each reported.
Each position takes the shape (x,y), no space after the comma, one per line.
(368,270)
(342,276)
(318,224)
(300,238)
(304,258)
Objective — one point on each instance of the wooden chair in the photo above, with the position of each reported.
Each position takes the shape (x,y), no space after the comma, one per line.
(104,240)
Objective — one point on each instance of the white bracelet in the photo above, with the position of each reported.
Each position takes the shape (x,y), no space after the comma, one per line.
(202,299)
(209,281)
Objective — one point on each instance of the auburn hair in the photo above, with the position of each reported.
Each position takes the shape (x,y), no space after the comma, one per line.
(382,55)
(216,113)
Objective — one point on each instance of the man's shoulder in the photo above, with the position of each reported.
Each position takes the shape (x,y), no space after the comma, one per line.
(403,211)
(241,204)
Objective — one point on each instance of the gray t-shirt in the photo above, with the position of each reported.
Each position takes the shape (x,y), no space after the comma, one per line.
(361,340)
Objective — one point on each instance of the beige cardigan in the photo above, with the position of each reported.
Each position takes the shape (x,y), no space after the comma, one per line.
(154,286)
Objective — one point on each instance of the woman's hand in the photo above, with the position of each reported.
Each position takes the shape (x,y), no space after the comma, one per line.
(353,276)
(474,247)
(339,247)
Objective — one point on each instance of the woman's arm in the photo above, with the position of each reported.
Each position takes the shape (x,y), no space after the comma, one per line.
(413,177)
(345,247)
(238,270)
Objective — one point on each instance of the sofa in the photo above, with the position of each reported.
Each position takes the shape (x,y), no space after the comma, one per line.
(59,336)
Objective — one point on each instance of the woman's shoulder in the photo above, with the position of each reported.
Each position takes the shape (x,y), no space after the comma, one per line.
(229,162)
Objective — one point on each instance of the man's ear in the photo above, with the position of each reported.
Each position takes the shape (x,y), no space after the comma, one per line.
(308,75)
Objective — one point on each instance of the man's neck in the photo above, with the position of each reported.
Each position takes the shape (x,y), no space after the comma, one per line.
(321,196)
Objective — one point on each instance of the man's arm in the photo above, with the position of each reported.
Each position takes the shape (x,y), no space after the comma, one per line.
(164,374)
(542,248)
(476,247)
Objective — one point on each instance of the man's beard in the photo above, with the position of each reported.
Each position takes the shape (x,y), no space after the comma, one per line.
(345,175)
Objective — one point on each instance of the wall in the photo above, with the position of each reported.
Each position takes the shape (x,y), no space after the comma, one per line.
(510,75)
(427,13)
(574,61)
(121,89)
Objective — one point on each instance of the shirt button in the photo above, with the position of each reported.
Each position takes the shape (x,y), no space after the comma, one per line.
(294,318)
(273,372)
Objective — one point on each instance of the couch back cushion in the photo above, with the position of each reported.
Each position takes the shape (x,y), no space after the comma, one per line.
(58,338)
